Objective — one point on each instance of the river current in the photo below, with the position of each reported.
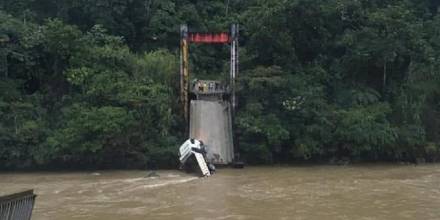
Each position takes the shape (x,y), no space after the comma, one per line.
(365,192)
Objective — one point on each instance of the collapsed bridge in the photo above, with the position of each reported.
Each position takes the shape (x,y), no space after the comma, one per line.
(210,120)
(209,106)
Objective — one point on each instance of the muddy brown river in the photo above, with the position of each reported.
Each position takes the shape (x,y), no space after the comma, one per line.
(313,192)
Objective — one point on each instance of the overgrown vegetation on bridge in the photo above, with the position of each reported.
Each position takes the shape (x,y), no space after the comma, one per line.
(94,83)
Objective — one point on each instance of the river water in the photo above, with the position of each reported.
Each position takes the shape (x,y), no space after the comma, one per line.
(365,192)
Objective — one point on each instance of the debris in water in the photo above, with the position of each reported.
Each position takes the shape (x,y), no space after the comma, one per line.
(152,174)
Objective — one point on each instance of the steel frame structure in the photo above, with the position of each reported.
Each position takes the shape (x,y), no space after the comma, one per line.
(186,37)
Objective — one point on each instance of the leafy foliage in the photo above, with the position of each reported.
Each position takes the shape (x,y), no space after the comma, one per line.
(94,83)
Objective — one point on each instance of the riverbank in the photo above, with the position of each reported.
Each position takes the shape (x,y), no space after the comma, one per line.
(335,162)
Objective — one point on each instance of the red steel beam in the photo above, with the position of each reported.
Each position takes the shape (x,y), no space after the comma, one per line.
(211,38)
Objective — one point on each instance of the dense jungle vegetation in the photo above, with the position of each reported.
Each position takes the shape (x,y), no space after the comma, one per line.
(94,83)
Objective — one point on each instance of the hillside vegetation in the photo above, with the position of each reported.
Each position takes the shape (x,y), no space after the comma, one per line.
(94,84)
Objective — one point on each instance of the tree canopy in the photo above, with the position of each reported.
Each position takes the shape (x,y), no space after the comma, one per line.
(95,83)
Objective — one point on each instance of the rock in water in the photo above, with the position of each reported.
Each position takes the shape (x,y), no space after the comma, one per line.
(152,174)
(211,168)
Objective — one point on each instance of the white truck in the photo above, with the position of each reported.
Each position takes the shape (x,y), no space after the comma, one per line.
(195,149)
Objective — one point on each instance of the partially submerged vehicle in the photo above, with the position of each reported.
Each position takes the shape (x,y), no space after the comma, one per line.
(192,156)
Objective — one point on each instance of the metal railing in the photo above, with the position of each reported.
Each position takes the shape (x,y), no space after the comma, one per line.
(206,87)
(17,206)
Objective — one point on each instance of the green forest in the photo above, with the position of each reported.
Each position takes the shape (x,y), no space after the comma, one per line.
(95,83)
